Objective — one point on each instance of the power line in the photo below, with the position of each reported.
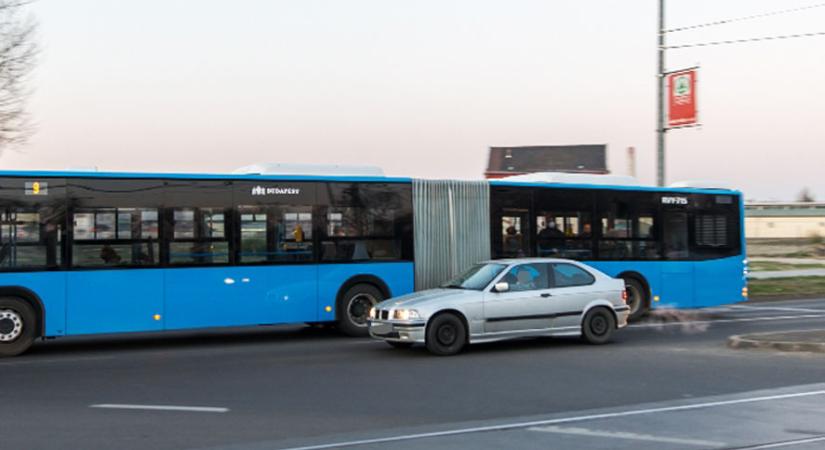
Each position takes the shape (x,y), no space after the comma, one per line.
(740,19)
(740,41)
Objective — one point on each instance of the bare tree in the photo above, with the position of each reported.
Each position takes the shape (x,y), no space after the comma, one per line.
(805,195)
(17,57)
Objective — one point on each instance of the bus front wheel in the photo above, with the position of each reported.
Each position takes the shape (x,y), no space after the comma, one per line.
(17,326)
(354,308)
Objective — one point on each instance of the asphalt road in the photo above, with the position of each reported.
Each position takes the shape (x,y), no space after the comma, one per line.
(669,382)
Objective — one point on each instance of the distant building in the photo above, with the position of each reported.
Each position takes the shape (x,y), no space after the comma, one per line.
(509,161)
(784,220)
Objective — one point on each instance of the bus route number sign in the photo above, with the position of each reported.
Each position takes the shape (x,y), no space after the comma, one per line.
(674,200)
(37,188)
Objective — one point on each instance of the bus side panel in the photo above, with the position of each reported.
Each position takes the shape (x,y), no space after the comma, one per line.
(398,276)
(288,293)
(673,289)
(111,301)
(240,295)
(719,281)
(50,287)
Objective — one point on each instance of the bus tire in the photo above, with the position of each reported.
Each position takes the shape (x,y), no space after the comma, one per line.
(598,326)
(354,307)
(446,335)
(637,298)
(18,326)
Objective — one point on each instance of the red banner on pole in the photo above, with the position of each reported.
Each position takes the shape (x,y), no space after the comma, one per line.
(681,98)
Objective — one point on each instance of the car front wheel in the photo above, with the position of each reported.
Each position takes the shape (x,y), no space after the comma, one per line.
(446,335)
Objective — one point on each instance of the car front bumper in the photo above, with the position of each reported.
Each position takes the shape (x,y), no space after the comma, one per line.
(397,331)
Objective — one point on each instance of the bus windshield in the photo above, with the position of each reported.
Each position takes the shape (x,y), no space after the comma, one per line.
(476,278)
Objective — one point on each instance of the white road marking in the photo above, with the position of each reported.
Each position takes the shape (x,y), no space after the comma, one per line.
(626,435)
(26,362)
(520,425)
(777,308)
(744,319)
(210,409)
(786,443)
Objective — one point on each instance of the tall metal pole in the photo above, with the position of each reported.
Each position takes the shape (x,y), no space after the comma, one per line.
(660,101)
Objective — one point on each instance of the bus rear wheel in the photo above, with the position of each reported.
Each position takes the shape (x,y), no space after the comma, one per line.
(17,326)
(354,308)
(637,298)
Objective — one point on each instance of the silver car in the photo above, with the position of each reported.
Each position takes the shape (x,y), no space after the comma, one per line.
(505,299)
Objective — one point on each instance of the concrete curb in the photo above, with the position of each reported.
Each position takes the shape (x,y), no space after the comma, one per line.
(795,341)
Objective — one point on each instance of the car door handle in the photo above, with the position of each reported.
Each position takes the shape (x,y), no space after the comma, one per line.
(546,294)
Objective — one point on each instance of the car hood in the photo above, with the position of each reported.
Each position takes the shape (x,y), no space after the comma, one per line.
(421,298)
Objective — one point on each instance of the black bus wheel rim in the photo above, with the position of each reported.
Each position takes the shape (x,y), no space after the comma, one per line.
(359,308)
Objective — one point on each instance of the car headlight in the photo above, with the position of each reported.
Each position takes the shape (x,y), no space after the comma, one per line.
(372,313)
(405,314)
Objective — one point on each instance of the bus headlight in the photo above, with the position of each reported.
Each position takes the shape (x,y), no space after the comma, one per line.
(405,314)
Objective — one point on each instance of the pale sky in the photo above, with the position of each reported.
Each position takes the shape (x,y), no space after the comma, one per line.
(421,88)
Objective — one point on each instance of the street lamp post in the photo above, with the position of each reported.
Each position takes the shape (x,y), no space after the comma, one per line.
(660,101)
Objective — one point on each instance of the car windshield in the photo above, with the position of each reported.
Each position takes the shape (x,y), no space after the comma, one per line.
(475,278)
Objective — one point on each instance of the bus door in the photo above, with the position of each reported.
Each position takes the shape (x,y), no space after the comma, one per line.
(276,250)
(677,272)
(264,276)
(512,233)
(116,284)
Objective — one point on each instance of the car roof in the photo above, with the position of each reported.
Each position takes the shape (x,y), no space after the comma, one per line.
(529,260)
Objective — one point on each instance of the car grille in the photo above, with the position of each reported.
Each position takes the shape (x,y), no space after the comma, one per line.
(384,314)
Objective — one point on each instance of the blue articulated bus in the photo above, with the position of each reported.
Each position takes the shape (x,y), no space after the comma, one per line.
(91,253)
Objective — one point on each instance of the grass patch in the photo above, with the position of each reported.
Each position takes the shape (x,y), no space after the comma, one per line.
(761,266)
(790,287)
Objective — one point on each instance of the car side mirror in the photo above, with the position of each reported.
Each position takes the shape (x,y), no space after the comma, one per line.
(502,286)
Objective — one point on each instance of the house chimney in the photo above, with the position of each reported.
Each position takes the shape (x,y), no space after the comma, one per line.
(631,161)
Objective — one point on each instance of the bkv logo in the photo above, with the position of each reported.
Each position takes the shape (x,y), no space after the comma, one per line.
(260,190)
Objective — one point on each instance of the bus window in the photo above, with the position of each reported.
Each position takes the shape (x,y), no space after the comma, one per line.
(275,233)
(627,225)
(366,221)
(115,237)
(564,234)
(199,236)
(29,238)
(715,227)
(564,223)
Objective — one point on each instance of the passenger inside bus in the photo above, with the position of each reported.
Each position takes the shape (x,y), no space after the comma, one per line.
(109,255)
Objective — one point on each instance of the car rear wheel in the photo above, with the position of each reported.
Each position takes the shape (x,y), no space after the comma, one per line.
(354,308)
(636,298)
(598,326)
(17,326)
(446,335)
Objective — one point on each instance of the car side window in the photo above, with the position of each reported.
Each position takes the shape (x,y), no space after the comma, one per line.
(567,275)
(527,277)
